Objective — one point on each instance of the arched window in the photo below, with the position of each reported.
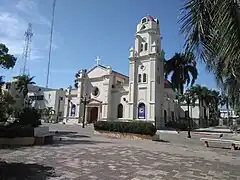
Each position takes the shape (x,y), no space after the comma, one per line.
(141,48)
(146,46)
(139,78)
(141,111)
(144,20)
(73,110)
(144,77)
(120,111)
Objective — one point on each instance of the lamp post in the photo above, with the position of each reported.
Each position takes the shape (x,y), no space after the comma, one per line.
(188,100)
(84,100)
(58,108)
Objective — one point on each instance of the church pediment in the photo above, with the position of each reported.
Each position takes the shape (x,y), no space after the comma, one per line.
(97,71)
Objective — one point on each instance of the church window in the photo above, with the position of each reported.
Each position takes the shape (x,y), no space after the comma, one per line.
(146,46)
(141,48)
(120,111)
(141,111)
(139,78)
(144,20)
(144,77)
(73,110)
(95,91)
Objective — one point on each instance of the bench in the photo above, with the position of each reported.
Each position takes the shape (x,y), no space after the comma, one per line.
(222,141)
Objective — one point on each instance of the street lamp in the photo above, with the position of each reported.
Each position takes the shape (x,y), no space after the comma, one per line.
(188,100)
(84,100)
(58,108)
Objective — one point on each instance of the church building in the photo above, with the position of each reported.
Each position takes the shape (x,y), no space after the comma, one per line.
(110,95)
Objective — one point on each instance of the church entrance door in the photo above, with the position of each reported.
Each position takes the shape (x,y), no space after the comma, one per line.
(93,115)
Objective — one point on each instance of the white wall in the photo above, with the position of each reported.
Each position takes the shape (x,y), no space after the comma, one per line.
(52,98)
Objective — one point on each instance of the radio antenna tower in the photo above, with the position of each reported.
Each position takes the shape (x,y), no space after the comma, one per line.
(27,47)
(50,42)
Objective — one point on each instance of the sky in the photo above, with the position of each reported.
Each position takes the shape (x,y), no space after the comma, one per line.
(84,30)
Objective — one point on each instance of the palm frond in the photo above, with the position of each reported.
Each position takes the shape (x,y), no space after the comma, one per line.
(194,73)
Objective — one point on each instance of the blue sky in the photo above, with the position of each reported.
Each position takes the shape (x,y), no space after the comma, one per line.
(84,30)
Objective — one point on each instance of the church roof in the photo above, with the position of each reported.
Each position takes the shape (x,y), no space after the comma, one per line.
(104,67)
(150,18)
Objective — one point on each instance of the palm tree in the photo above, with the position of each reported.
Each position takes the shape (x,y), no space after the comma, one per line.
(22,84)
(48,112)
(180,66)
(76,80)
(232,89)
(212,31)
(213,101)
(199,93)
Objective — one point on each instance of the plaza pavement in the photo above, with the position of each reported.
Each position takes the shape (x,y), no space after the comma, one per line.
(82,156)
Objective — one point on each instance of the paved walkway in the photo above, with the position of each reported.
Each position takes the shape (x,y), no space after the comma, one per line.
(84,156)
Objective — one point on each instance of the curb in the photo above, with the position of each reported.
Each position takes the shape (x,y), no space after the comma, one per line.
(167,132)
(206,134)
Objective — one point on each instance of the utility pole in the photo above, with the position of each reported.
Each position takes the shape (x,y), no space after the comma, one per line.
(50,42)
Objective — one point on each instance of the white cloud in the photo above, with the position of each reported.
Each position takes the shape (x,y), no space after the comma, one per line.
(14,19)
(30,7)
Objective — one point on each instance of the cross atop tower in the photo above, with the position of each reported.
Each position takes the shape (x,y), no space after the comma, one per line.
(97,60)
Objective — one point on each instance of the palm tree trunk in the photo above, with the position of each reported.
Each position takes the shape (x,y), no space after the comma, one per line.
(200,112)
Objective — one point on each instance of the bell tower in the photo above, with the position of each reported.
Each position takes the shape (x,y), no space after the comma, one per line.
(146,77)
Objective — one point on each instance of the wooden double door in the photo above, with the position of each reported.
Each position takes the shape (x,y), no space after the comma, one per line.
(92,114)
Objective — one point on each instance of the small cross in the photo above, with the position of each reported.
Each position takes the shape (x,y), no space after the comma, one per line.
(97,59)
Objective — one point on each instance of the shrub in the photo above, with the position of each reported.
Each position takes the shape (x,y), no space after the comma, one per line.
(29,116)
(16,131)
(137,127)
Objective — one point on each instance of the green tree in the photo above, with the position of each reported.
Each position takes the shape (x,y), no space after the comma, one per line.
(7,60)
(231,88)
(6,102)
(201,94)
(180,66)
(22,84)
(212,31)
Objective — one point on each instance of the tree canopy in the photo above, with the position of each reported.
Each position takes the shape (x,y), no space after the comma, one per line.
(7,60)
(181,66)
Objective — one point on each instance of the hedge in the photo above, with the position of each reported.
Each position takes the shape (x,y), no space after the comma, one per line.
(137,127)
(16,131)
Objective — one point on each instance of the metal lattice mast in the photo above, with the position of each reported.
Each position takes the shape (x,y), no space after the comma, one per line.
(50,42)
(27,47)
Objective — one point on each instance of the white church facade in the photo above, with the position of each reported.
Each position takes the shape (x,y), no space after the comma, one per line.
(144,95)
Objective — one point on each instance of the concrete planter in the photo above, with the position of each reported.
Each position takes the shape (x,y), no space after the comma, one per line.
(22,141)
(41,131)
(122,135)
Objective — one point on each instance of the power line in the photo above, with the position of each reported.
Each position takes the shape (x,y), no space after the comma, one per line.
(50,42)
